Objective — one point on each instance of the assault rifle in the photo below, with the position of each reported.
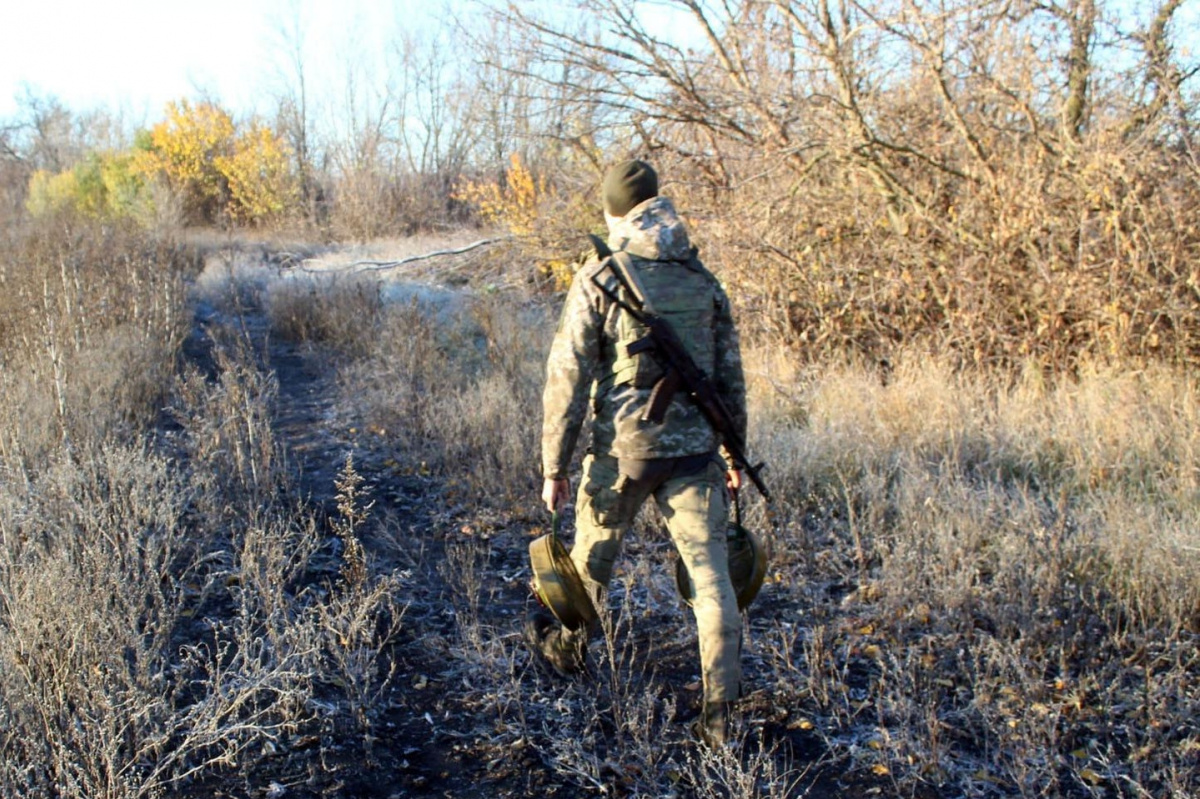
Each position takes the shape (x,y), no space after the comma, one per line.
(681,370)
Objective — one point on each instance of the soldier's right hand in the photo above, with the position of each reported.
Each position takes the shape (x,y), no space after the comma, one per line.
(555,492)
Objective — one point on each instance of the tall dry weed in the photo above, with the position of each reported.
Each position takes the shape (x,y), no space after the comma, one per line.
(159,620)
(92,322)
(89,611)
(106,686)
(228,437)
(361,614)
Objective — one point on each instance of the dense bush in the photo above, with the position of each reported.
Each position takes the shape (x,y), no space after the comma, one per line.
(197,156)
(1054,262)
(1005,183)
(103,186)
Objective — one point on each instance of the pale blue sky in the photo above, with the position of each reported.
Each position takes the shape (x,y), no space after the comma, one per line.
(135,55)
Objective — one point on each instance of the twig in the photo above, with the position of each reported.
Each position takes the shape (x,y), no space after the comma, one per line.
(374,266)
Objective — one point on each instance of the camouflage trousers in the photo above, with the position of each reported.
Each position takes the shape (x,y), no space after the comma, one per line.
(691,495)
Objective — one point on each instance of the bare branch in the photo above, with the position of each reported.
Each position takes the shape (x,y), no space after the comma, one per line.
(376,266)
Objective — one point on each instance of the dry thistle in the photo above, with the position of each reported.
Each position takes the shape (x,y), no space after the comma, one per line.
(352,513)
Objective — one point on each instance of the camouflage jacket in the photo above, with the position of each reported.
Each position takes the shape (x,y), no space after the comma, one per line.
(587,359)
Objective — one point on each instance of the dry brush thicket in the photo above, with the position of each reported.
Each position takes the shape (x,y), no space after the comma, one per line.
(1000,182)
(161,618)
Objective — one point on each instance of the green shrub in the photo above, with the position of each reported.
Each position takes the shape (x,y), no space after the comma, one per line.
(102,186)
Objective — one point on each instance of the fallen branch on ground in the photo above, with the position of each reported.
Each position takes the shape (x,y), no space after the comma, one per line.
(375,266)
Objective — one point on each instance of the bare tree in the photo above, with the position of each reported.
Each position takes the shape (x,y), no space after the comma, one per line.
(1162,77)
(902,164)
(293,99)
(430,96)
(1079,16)
(46,132)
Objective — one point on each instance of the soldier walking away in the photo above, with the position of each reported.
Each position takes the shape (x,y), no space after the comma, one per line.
(648,439)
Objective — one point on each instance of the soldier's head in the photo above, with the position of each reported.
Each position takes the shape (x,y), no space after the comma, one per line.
(627,185)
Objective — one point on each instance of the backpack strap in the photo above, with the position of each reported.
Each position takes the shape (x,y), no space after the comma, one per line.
(669,384)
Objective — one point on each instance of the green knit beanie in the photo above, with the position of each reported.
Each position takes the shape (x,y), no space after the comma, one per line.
(628,184)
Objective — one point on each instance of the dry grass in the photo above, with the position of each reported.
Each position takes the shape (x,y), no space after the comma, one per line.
(333,311)
(161,619)
(1025,587)
(455,387)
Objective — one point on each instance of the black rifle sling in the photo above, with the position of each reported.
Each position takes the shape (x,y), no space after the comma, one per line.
(622,266)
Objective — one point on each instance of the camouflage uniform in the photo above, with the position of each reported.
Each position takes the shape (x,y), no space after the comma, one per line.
(631,459)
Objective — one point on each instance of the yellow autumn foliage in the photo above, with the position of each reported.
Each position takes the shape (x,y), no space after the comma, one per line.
(521,203)
(215,168)
(101,186)
(50,192)
(512,203)
(183,150)
(259,175)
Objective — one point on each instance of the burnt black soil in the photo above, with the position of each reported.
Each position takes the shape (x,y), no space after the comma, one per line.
(467,712)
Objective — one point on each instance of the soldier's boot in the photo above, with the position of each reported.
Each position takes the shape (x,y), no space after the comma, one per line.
(564,650)
(714,727)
